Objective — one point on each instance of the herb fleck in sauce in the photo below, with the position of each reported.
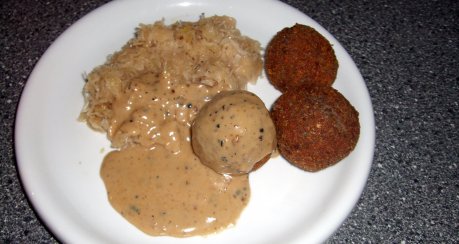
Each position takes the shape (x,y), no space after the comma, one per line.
(160,196)
(145,97)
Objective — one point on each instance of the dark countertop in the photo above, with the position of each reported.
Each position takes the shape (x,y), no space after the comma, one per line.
(407,52)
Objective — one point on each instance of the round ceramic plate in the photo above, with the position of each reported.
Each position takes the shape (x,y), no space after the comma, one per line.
(59,158)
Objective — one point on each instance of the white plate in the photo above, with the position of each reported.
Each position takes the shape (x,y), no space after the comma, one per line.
(59,158)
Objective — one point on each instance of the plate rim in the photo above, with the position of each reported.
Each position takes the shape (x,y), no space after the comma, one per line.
(18,144)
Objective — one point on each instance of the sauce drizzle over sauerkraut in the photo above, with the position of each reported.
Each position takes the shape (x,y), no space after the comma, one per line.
(164,75)
(145,97)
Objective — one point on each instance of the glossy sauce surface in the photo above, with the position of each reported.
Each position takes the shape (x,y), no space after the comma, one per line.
(145,98)
(166,194)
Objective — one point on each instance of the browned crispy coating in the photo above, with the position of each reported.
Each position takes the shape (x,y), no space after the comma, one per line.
(316,127)
(300,55)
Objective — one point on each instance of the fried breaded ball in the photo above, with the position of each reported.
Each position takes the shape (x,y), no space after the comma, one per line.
(233,132)
(316,127)
(300,55)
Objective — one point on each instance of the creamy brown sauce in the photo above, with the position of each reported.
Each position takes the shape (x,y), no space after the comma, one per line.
(159,185)
(176,68)
(172,194)
(145,97)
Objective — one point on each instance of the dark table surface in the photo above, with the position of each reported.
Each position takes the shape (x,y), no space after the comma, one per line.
(407,52)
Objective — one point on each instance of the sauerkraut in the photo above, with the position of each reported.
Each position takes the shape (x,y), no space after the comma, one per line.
(149,92)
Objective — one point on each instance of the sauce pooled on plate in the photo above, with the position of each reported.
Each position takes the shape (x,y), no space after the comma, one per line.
(145,97)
